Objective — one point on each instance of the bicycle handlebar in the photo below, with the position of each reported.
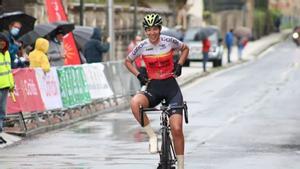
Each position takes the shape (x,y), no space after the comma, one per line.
(164,109)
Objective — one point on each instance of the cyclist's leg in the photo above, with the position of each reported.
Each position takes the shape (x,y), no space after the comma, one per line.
(177,133)
(141,99)
(178,138)
(176,128)
(136,101)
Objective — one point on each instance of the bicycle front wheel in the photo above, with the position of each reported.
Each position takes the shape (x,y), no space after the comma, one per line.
(166,156)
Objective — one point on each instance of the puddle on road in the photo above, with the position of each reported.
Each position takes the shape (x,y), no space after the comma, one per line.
(107,141)
(51,155)
(290,146)
(112,127)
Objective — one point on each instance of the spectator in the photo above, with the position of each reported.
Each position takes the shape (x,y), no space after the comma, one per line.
(241,43)
(94,48)
(139,63)
(56,53)
(6,79)
(25,51)
(38,57)
(229,42)
(14,45)
(277,23)
(205,49)
(133,43)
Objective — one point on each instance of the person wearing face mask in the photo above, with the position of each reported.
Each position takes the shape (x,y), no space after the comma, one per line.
(56,53)
(14,45)
(6,79)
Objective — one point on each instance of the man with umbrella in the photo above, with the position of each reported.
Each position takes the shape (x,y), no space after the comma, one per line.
(243,34)
(15,45)
(94,48)
(16,23)
(241,43)
(56,51)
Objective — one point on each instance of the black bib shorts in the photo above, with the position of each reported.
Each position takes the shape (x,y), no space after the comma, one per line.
(167,89)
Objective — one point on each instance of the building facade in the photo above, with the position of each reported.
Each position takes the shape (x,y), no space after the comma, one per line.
(95,15)
(290,10)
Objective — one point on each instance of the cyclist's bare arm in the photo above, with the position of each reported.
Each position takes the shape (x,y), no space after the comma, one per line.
(129,64)
(184,54)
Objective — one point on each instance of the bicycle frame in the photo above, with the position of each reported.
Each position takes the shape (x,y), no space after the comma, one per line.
(167,152)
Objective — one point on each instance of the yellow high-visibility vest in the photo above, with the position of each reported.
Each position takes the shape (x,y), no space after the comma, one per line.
(6,77)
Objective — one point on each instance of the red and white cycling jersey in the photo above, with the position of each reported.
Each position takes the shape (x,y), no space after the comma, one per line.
(158,58)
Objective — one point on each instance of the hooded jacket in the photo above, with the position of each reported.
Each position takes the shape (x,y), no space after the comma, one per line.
(38,57)
(6,77)
(94,48)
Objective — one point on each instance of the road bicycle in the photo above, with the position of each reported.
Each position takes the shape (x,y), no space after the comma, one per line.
(167,152)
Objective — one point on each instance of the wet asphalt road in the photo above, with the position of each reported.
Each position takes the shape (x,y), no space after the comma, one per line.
(246,117)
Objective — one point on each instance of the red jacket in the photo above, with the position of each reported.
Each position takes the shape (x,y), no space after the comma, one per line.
(206,45)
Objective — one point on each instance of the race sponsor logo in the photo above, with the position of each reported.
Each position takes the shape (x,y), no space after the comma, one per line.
(162,46)
(139,47)
(149,49)
(170,39)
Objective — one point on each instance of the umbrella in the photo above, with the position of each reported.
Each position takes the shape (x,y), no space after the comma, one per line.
(27,21)
(173,33)
(66,27)
(205,32)
(44,29)
(242,32)
(40,30)
(29,38)
(82,34)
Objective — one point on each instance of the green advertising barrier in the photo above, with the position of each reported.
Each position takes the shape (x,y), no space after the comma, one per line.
(84,95)
(73,86)
(62,77)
